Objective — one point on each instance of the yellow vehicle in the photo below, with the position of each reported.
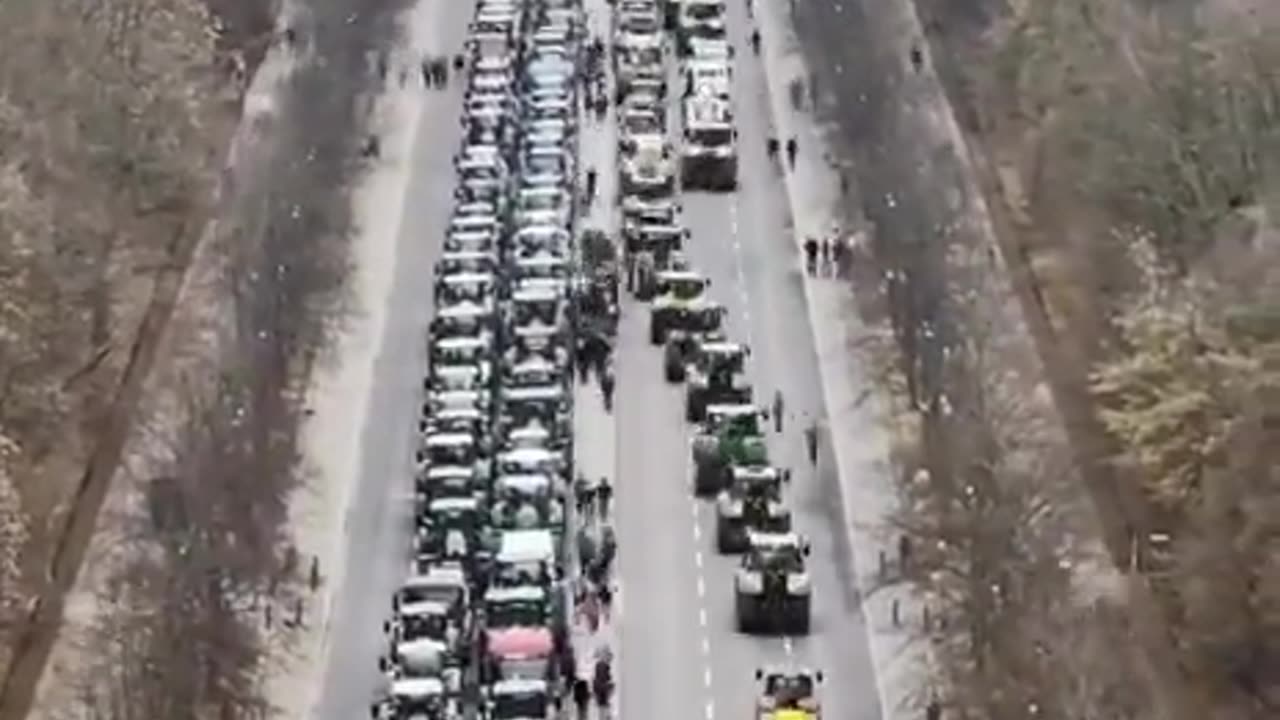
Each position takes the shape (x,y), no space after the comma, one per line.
(789,694)
(787,714)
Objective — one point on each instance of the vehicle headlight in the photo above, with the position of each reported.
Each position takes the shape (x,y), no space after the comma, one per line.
(750,582)
(798,583)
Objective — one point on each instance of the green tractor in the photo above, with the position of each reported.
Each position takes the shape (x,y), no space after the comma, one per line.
(681,302)
(730,437)
(716,378)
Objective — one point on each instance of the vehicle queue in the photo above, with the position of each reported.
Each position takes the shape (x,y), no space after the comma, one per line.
(772,589)
(479,625)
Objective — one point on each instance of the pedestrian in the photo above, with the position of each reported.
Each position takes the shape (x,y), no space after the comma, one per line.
(568,663)
(811,442)
(904,552)
(459,62)
(591,611)
(771,148)
(933,711)
(426,72)
(841,251)
(444,71)
(755,41)
(810,255)
(606,387)
(582,358)
(777,411)
(608,548)
(917,57)
(606,599)
(591,185)
(602,685)
(604,492)
(582,491)
(750,10)
(826,253)
(792,149)
(581,697)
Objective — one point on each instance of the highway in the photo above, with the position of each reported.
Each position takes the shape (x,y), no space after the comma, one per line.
(681,653)
(377,527)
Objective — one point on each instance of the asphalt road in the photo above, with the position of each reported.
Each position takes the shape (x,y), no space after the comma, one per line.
(379,519)
(682,654)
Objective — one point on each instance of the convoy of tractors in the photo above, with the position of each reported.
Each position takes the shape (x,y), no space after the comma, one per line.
(481,624)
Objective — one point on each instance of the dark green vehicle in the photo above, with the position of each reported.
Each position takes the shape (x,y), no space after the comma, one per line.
(730,437)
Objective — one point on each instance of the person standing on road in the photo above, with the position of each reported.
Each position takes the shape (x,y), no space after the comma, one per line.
(606,599)
(917,57)
(793,148)
(811,442)
(581,697)
(841,251)
(602,685)
(777,411)
(771,148)
(810,255)
(755,41)
(604,492)
(582,492)
(606,387)
(591,185)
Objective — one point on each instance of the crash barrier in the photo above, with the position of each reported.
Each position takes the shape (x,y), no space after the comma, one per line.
(479,626)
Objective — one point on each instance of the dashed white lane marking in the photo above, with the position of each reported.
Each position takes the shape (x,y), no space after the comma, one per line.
(697,532)
(706,676)
(702,587)
(706,645)
(697,559)
(739,274)
(702,617)
(711,710)
(788,646)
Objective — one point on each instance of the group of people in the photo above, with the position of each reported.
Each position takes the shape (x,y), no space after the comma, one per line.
(595,93)
(810,431)
(595,353)
(597,548)
(826,257)
(792,148)
(435,70)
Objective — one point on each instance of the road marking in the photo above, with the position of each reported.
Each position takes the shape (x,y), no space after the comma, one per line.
(697,532)
(693,509)
(702,617)
(711,710)
(706,645)
(706,676)
(702,587)
(697,559)
(788,646)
